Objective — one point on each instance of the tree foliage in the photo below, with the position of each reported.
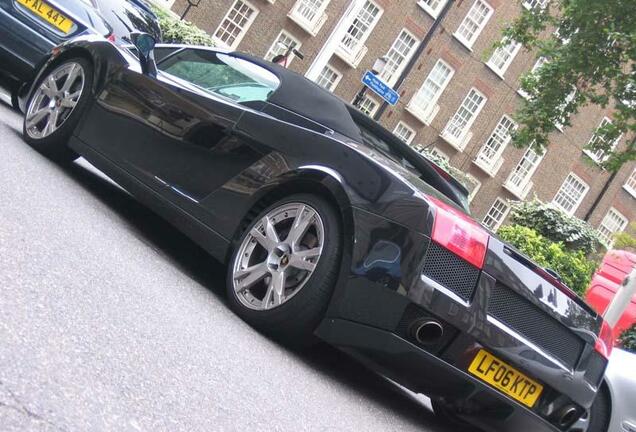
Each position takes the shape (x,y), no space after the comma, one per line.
(174,30)
(626,240)
(590,48)
(628,339)
(573,267)
(555,225)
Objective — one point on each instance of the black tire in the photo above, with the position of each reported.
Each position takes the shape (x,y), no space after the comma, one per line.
(600,413)
(54,146)
(295,320)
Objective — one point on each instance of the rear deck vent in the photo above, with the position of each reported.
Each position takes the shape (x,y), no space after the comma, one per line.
(449,270)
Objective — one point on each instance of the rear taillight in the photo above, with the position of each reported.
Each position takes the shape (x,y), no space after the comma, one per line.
(111,38)
(605,341)
(458,233)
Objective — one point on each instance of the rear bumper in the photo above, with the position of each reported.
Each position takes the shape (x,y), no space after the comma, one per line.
(421,371)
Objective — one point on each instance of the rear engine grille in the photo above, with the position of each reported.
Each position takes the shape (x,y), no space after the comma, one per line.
(534,324)
(449,270)
(595,368)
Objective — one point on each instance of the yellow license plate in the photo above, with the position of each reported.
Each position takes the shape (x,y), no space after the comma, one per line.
(505,378)
(49,14)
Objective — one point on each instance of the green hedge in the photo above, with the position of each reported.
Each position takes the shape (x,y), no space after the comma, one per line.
(174,30)
(573,266)
(557,226)
(628,339)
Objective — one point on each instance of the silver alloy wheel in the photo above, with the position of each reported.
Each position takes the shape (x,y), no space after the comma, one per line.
(278,256)
(54,100)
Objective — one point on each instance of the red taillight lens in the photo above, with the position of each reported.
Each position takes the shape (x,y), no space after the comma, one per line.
(605,341)
(111,37)
(458,233)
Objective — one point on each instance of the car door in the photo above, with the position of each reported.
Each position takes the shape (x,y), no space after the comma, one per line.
(175,132)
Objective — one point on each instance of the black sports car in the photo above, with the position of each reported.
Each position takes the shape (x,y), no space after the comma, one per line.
(330,225)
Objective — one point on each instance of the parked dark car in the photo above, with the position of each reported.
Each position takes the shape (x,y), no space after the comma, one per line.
(330,226)
(29,29)
(127,16)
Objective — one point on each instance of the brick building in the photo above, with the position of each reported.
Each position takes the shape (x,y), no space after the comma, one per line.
(457,101)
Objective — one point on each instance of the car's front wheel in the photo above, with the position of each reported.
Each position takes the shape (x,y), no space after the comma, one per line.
(284,266)
(55,107)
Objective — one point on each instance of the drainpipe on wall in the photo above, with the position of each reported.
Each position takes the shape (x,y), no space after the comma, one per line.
(416,56)
(329,48)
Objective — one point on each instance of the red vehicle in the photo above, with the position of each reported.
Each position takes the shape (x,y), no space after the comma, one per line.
(616,265)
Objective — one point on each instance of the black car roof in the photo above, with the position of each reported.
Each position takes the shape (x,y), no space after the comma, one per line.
(294,92)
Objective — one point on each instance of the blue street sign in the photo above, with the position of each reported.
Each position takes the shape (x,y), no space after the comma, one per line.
(372,81)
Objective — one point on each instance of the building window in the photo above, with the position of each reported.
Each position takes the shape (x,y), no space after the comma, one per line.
(489,156)
(432,7)
(599,155)
(457,129)
(518,183)
(353,41)
(235,24)
(502,57)
(571,193)
(531,4)
(329,78)
(496,215)
(398,55)
(474,23)
(309,14)
(403,132)
(473,185)
(537,65)
(369,105)
(281,45)
(569,98)
(423,105)
(612,223)
(630,184)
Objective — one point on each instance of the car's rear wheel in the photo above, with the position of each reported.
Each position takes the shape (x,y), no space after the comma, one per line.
(284,267)
(55,107)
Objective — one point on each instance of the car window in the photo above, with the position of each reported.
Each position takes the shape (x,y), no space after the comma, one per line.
(222,74)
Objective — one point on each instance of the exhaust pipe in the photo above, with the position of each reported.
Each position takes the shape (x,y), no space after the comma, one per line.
(427,331)
(567,416)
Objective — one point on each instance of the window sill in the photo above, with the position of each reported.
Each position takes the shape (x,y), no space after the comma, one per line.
(463,41)
(630,191)
(428,9)
(496,71)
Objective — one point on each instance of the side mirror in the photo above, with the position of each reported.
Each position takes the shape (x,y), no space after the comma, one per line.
(145,45)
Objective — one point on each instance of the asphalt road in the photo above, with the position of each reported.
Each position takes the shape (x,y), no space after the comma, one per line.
(112,320)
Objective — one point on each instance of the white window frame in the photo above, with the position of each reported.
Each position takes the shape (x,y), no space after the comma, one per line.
(521,188)
(630,184)
(406,127)
(440,154)
(509,52)
(404,59)
(606,238)
(313,25)
(354,54)
(475,190)
(244,29)
(579,199)
(531,4)
(273,50)
(335,82)
(600,156)
(468,20)
(432,10)
(537,65)
(491,160)
(460,142)
(369,99)
(427,113)
(502,208)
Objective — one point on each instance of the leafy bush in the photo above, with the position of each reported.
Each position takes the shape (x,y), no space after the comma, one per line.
(628,339)
(557,226)
(573,266)
(174,30)
(626,240)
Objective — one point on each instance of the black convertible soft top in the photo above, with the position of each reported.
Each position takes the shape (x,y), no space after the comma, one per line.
(294,92)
